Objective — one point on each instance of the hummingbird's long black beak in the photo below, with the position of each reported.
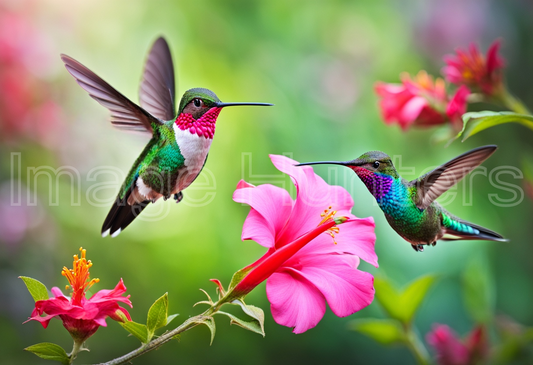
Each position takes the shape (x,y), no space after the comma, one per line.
(222,105)
(323,163)
(356,162)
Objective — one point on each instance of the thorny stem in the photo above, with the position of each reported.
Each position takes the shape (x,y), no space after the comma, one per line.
(166,337)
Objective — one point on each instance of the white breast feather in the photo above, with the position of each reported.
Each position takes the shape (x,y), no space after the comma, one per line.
(194,149)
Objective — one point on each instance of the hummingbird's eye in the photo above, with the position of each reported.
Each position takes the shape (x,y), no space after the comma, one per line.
(197,102)
(375,164)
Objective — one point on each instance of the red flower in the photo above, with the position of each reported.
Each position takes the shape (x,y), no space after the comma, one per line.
(82,316)
(420,101)
(472,69)
(450,350)
(313,253)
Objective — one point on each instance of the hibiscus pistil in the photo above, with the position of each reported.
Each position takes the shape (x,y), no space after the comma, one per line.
(78,276)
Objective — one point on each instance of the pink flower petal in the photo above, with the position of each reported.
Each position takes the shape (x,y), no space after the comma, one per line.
(412,110)
(494,62)
(57,292)
(450,350)
(271,208)
(457,106)
(314,195)
(294,301)
(347,290)
(355,237)
(243,184)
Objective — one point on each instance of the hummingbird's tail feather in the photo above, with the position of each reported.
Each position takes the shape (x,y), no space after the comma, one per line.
(121,215)
(464,230)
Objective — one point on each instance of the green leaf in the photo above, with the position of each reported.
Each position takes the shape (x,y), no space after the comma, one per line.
(402,305)
(171,317)
(49,351)
(475,122)
(37,289)
(253,326)
(413,296)
(388,297)
(210,323)
(385,331)
(138,330)
(252,311)
(478,290)
(157,314)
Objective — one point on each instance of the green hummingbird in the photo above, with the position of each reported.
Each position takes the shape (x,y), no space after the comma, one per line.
(178,149)
(410,206)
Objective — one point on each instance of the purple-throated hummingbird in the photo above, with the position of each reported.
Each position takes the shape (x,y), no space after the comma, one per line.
(179,146)
(410,206)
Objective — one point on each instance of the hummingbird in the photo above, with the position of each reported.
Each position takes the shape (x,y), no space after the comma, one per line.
(410,206)
(179,144)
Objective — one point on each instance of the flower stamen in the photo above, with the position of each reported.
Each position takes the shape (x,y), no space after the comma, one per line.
(326,215)
(78,276)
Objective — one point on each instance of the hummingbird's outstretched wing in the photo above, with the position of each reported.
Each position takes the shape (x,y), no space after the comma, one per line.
(433,184)
(124,113)
(157,93)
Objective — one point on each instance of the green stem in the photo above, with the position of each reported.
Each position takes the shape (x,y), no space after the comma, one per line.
(515,104)
(75,349)
(166,337)
(505,98)
(416,347)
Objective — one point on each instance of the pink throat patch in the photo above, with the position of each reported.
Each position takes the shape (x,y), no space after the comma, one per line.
(203,127)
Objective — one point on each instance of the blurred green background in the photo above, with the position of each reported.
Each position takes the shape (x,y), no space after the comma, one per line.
(317,62)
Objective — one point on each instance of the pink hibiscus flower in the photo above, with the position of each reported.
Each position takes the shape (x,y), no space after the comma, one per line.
(450,350)
(472,69)
(82,316)
(310,258)
(420,101)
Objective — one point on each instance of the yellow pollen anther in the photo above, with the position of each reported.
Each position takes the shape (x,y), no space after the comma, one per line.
(326,215)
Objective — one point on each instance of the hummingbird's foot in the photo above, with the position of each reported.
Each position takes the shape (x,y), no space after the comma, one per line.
(433,243)
(178,197)
(418,248)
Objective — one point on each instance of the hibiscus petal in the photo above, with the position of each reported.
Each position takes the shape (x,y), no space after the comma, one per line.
(294,301)
(57,292)
(347,290)
(43,320)
(101,321)
(257,228)
(355,237)
(314,195)
(271,207)
(113,296)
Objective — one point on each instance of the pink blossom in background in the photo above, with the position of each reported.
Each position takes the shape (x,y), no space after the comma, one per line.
(450,350)
(420,101)
(312,258)
(457,107)
(81,316)
(27,108)
(471,68)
